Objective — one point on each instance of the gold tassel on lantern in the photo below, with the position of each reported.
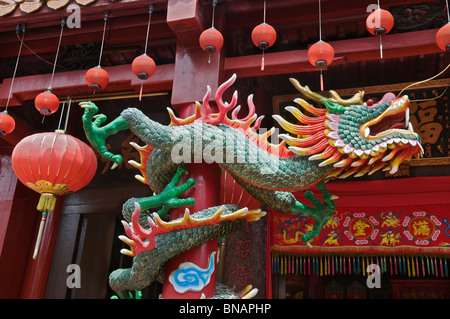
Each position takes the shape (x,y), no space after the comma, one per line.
(46,205)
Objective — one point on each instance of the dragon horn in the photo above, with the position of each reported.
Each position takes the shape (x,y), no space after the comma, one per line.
(335,98)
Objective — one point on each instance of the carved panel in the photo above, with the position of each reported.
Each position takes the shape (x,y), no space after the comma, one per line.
(420,16)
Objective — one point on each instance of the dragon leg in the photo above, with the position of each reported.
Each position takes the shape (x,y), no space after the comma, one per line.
(167,199)
(286,203)
(321,212)
(97,135)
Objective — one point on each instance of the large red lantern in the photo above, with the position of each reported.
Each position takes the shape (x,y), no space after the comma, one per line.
(443,38)
(321,55)
(7,123)
(46,102)
(380,22)
(53,164)
(97,78)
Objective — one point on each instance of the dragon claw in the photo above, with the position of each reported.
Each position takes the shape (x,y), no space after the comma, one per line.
(320,212)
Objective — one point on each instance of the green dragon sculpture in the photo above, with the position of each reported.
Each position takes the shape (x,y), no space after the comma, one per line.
(342,138)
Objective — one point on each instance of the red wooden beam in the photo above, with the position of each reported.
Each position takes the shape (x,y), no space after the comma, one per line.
(353,50)
(186,18)
(73,83)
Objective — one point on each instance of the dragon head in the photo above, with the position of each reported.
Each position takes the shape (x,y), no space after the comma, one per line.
(353,136)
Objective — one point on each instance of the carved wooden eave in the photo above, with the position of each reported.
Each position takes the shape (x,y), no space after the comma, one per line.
(8,7)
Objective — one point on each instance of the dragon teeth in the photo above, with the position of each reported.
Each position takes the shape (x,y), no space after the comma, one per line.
(407,118)
(333,134)
(410,127)
(339,143)
(366,132)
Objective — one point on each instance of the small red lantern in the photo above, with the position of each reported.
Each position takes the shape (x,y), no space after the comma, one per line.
(46,102)
(7,123)
(97,78)
(211,40)
(380,22)
(443,38)
(53,164)
(321,55)
(264,36)
(143,66)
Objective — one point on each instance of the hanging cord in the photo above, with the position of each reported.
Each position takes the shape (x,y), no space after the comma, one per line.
(320,39)
(103,37)
(448,12)
(68,113)
(423,81)
(35,54)
(63,24)
(150,11)
(264,17)
(214,3)
(17,62)
(320,22)
(60,117)
(264,21)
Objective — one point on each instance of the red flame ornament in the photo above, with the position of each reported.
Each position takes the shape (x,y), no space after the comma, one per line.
(46,102)
(97,78)
(7,123)
(321,55)
(443,38)
(264,36)
(380,22)
(53,164)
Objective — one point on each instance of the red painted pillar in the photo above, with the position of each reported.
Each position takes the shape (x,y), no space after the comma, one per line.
(192,74)
(206,194)
(35,279)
